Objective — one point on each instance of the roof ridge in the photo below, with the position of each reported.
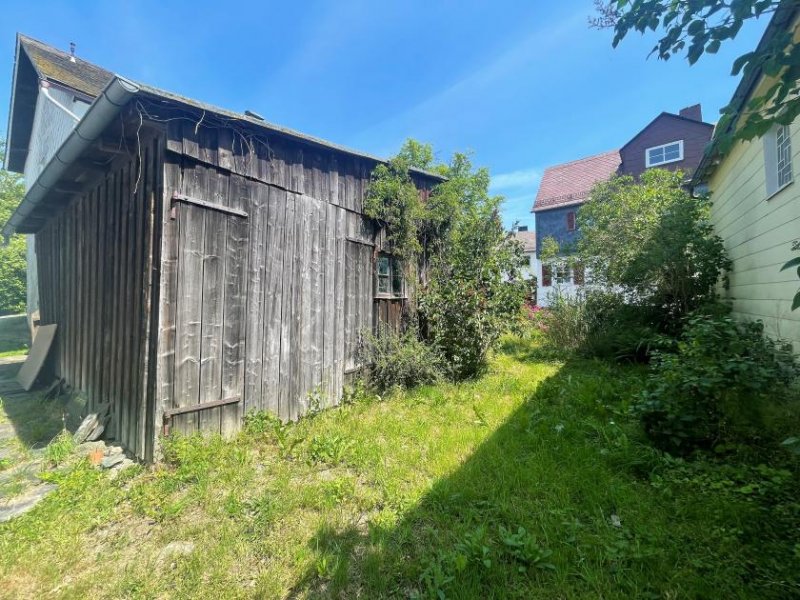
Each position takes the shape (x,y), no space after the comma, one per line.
(585,158)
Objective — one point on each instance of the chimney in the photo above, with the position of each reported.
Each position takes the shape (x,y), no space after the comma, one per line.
(694,112)
(522,228)
(72,52)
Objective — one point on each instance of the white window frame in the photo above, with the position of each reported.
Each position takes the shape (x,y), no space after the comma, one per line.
(778,169)
(664,148)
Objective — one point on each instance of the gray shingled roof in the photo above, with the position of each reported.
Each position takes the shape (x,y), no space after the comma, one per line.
(58,67)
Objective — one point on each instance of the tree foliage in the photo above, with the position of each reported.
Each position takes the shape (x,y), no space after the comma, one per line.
(697,27)
(469,286)
(12,256)
(652,240)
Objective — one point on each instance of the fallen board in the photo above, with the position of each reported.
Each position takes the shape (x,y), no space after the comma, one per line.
(39,350)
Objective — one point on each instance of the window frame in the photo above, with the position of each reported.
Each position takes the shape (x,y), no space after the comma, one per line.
(663,147)
(574,224)
(776,149)
(394,276)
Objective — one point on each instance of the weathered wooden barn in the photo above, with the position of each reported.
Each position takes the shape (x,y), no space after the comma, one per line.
(200,263)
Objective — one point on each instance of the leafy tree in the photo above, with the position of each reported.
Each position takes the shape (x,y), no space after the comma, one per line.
(12,256)
(652,240)
(469,282)
(697,27)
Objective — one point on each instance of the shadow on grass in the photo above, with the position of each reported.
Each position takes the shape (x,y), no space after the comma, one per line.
(36,421)
(565,499)
(529,514)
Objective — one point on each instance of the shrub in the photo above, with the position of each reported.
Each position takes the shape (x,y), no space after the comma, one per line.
(710,384)
(13,276)
(599,323)
(652,240)
(399,359)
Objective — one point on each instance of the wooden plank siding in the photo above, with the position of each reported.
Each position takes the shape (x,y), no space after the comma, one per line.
(165,305)
(95,260)
(302,292)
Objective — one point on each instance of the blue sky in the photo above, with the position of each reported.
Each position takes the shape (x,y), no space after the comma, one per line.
(522,85)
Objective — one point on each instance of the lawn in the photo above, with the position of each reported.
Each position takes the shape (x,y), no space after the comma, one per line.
(14,335)
(531,482)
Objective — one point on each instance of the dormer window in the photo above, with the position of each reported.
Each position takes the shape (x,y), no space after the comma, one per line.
(664,154)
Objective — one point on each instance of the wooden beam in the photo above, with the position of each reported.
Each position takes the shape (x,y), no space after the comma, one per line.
(182,410)
(209,205)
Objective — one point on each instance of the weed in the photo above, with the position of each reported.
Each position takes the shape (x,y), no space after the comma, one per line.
(329,448)
(60,448)
(524,548)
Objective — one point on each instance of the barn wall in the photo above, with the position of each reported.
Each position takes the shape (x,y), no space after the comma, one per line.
(95,265)
(308,292)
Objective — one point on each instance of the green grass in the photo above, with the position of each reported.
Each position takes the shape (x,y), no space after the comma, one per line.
(14,335)
(531,482)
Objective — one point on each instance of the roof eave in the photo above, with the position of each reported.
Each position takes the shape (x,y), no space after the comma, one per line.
(786,14)
(7,160)
(102,111)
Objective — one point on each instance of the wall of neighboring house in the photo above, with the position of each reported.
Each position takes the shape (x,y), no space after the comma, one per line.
(51,126)
(554,223)
(666,129)
(758,231)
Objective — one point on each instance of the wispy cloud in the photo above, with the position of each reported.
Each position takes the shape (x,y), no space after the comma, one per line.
(514,180)
(449,100)
(519,189)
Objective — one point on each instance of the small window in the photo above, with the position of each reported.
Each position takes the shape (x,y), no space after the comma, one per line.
(778,159)
(571,221)
(547,276)
(661,155)
(563,274)
(389,271)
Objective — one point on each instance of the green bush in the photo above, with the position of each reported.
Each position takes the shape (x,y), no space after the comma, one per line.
(13,276)
(599,323)
(711,384)
(399,360)
(12,256)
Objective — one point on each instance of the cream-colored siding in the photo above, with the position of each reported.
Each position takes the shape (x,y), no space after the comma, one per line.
(758,233)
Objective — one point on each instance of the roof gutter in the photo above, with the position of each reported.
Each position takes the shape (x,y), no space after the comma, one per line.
(103,110)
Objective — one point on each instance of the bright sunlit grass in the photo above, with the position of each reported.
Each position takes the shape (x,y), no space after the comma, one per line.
(531,482)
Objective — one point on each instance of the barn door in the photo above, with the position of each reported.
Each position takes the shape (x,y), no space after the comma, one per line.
(210,333)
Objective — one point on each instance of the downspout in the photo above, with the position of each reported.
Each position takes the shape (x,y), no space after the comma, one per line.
(87,130)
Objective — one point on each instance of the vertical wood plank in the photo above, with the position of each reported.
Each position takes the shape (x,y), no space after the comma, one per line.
(339,299)
(328,304)
(215,233)
(256,312)
(236,255)
(289,307)
(276,250)
(168,293)
(188,332)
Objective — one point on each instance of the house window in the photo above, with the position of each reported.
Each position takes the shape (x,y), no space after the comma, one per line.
(389,272)
(563,274)
(558,273)
(571,221)
(778,159)
(666,153)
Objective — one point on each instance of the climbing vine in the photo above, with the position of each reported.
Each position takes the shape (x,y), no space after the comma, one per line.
(469,287)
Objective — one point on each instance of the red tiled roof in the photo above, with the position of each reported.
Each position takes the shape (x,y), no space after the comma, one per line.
(527,239)
(570,183)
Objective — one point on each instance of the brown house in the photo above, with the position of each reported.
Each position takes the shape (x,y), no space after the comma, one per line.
(670,141)
(198,263)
